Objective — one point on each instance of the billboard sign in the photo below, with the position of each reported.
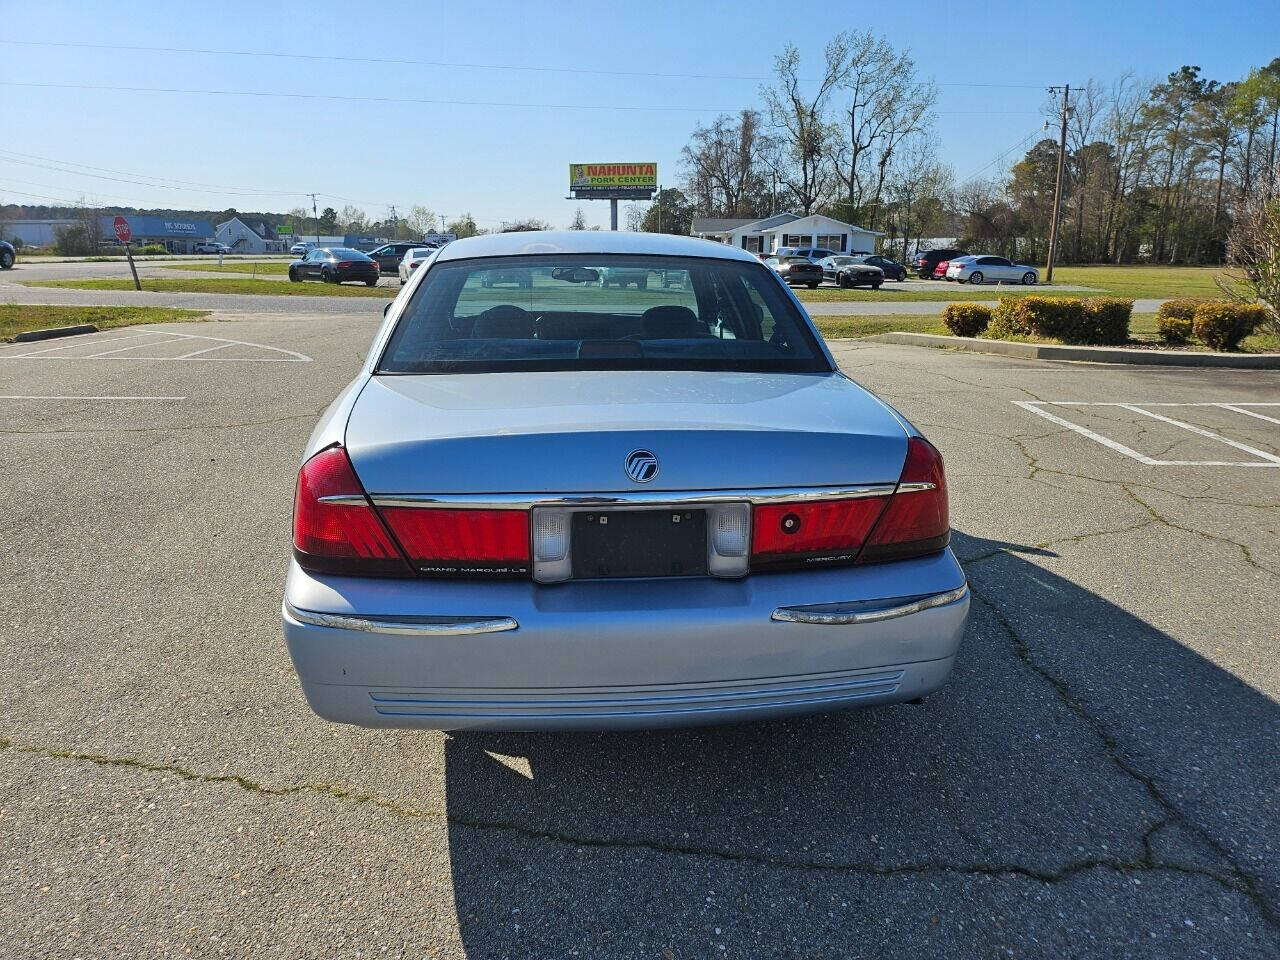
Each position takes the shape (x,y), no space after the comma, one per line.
(284,230)
(613,180)
(439,239)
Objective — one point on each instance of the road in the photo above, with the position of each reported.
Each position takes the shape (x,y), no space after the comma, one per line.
(1098,780)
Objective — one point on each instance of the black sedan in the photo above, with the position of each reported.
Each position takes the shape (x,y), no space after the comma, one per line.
(7,255)
(335,265)
(796,270)
(892,269)
(389,255)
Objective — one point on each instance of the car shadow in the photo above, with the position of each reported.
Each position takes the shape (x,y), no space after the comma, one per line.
(1082,767)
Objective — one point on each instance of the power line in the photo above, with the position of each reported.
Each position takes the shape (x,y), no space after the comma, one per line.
(9,154)
(455,65)
(145,183)
(437,101)
(1000,156)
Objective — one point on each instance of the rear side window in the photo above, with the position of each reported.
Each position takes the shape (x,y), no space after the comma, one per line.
(567,312)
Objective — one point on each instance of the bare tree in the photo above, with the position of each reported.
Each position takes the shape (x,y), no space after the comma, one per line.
(885,104)
(1253,250)
(799,118)
(579,221)
(421,220)
(725,168)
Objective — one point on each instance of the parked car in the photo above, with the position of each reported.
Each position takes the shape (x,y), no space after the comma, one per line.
(926,263)
(211,246)
(813,254)
(579,512)
(892,269)
(940,271)
(300,248)
(389,255)
(846,271)
(413,258)
(796,270)
(984,269)
(621,276)
(7,255)
(335,265)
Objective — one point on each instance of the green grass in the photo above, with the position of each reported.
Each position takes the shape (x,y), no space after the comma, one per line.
(224,285)
(1137,282)
(260,269)
(836,328)
(17,318)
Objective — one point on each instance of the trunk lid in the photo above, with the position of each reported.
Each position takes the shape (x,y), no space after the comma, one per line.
(570,432)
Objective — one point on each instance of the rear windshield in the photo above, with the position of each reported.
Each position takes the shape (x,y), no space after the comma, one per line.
(347,253)
(593,312)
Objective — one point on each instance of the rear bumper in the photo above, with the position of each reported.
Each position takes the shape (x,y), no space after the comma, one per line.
(604,655)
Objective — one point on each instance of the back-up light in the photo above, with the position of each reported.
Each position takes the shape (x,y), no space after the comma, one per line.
(444,542)
(910,523)
(335,528)
(813,532)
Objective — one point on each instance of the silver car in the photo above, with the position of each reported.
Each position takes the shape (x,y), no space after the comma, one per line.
(561,505)
(989,269)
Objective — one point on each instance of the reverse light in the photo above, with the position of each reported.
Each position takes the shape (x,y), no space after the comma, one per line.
(805,533)
(335,528)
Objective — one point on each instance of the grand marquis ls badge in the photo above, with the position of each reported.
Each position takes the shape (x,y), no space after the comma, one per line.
(641,466)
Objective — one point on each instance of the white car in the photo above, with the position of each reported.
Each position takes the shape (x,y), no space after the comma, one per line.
(209,246)
(302,248)
(983,269)
(412,259)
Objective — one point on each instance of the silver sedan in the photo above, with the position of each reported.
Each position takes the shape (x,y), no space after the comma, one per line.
(564,505)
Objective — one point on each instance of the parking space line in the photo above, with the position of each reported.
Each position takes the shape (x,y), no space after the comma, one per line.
(1238,408)
(107,353)
(147,338)
(1269,460)
(74,342)
(196,353)
(1085,431)
(1202,432)
(50,396)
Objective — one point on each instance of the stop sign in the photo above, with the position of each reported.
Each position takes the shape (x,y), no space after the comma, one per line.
(123,233)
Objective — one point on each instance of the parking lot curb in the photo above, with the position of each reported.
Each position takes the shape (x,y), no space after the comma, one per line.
(29,335)
(1045,351)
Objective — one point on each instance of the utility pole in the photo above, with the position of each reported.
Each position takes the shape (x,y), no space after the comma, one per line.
(659,208)
(316,216)
(395,233)
(613,213)
(1057,185)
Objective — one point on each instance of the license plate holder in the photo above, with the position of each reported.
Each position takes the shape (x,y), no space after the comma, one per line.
(670,542)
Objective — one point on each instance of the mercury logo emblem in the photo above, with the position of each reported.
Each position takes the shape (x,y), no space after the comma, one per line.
(641,465)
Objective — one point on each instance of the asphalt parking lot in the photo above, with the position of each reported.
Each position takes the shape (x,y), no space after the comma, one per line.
(1099,779)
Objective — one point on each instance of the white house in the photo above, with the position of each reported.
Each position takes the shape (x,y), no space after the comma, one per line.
(787,230)
(242,238)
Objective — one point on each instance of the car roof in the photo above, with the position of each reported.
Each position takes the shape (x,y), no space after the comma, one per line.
(532,242)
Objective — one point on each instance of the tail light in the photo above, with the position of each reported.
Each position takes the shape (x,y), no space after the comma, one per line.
(346,263)
(916,520)
(335,528)
(443,542)
(818,532)
(910,523)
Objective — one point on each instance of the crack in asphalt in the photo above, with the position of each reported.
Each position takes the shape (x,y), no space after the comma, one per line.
(1158,517)
(1236,880)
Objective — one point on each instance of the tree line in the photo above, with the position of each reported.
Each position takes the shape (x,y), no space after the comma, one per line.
(1154,171)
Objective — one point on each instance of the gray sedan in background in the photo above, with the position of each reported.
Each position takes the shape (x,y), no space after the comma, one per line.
(563,505)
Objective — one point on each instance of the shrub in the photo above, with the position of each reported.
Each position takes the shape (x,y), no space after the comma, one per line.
(1173,319)
(966,319)
(153,248)
(1221,324)
(1008,321)
(1106,320)
(73,240)
(1056,318)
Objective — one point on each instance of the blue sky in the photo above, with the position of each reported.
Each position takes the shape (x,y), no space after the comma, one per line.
(505,162)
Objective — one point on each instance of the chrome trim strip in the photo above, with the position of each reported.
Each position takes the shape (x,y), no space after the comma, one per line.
(346,499)
(526,501)
(859,612)
(916,487)
(409,627)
